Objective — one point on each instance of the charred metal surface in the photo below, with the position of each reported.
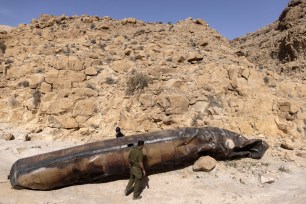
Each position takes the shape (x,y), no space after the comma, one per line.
(86,163)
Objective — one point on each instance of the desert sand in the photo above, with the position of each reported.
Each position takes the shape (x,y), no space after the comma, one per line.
(279,177)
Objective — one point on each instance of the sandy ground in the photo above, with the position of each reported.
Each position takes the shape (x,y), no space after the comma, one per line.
(238,181)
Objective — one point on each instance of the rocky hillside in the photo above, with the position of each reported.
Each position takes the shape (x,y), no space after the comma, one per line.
(280,46)
(80,77)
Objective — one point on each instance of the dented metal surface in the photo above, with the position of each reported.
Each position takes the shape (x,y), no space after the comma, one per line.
(85,163)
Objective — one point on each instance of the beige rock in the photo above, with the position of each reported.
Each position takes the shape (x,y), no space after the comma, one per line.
(45,87)
(282,125)
(205,163)
(194,56)
(266,179)
(49,96)
(301,154)
(122,65)
(200,21)
(84,108)
(91,71)
(67,121)
(25,137)
(35,80)
(129,20)
(75,64)
(51,76)
(146,100)
(287,144)
(7,136)
(173,104)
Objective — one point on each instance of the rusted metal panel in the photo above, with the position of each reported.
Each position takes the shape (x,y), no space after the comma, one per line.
(86,163)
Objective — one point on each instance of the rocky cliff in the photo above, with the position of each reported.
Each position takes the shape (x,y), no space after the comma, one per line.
(79,77)
(280,46)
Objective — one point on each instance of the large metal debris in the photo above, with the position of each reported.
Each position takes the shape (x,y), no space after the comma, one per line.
(86,163)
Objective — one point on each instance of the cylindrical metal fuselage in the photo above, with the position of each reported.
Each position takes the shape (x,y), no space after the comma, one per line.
(85,163)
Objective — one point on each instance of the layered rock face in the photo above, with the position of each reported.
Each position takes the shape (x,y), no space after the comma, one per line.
(80,77)
(280,46)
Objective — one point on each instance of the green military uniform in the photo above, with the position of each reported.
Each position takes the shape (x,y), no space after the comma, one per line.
(135,156)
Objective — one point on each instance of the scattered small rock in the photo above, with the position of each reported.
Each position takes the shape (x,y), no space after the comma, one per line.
(36,130)
(205,163)
(266,179)
(287,144)
(8,136)
(301,154)
(242,181)
(27,138)
(15,151)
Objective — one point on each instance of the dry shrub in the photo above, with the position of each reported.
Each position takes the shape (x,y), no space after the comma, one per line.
(137,81)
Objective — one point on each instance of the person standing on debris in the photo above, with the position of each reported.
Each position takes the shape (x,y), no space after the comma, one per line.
(118,132)
(137,171)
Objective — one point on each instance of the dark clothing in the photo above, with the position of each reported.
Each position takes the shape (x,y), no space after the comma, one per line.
(119,134)
(135,156)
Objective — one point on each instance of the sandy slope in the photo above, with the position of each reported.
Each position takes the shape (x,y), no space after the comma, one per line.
(230,182)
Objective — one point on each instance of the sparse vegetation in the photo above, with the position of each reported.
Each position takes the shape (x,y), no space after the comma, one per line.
(92,26)
(299,130)
(12,101)
(109,80)
(36,97)
(90,86)
(102,46)
(214,101)
(108,60)
(40,70)
(283,169)
(23,84)
(266,80)
(194,121)
(139,32)
(2,47)
(231,164)
(8,61)
(94,126)
(265,163)
(208,88)
(137,81)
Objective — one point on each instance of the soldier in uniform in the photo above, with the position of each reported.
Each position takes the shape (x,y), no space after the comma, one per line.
(137,171)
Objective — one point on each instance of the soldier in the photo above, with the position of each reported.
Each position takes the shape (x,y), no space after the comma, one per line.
(118,132)
(137,171)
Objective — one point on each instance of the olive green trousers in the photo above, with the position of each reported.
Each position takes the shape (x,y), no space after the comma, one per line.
(135,179)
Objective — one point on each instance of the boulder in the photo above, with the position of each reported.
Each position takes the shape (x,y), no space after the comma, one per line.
(7,136)
(287,144)
(85,107)
(91,71)
(205,163)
